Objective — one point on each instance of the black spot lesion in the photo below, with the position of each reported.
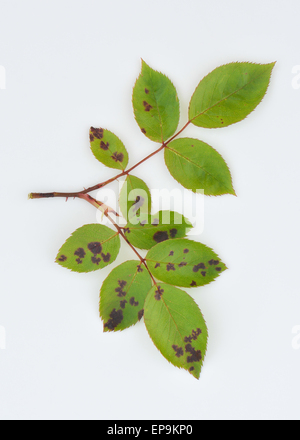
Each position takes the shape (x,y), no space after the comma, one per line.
(140,269)
(203,273)
(193,336)
(95,247)
(199,266)
(147,106)
(182,264)
(123,303)
(121,293)
(133,302)
(106,257)
(213,262)
(118,157)
(116,317)
(170,266)
(146,91)
(195,355)
(185,251)
(178,350)
(160,236)
(96,132)
(158,293)
(173,233)
(80,252)
(193,284)
(157,265)
(171,254)
(140,314)
(95,260)
(143,130)
(218,269)
(62,258)
(104,146)
(78,261)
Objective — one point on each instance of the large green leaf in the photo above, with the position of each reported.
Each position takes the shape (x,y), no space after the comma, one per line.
(135,198)
(108,148)
(196,165)
(184,262)
(123,294)
(155,104)
(229,93)
(153,229)
(89,248)
(177,327)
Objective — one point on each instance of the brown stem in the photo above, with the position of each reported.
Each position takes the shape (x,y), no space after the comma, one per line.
(99,205)
(101,185)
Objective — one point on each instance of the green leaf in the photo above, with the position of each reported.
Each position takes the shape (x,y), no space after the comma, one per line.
(89,248)
(196,165)
(155,104)
(135,198)
(177,327)
(123,294)
(108,148)
(153,229)
(229,93)
(184,262)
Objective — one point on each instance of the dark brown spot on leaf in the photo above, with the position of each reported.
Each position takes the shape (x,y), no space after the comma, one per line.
(106,257)
(146,91)
(160,236)
(95,247)
(80,252)
(140,314)
(193,284)
(198,266)
(158,293)
(91,137)
(62,258)
(170,266)
(147,106)
(193,336)
(97,132)
(126,231)
(171,253)
(178,350)
(133,302)
(143,222)
(123,303)
(116,317)
(119,289)
(185,251)
(192,369)
(173,233)
(143,131)
(213,262)
(122,283)
(157,265)
(79,261)
(182,264)
(118,157)
(96,260)
(196,355)
(219,269)
(139,268)
(104,146)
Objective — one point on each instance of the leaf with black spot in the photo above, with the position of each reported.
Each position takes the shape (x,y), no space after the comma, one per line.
(229,93)
(135,198)
(196,165)
(153,229)
(184,263)
(155,104)
(123,294)
(108,148)
(89,248)
(176,326)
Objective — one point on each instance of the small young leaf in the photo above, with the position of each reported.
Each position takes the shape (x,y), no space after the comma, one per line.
(123,294)
(135,198)
(155,104)
(108,148)
(177,327)
(89,248)
(184,262)
(153,229)
(196,165)
(229,93)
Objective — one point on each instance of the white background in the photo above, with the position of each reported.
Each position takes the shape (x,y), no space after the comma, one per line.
(73,64)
